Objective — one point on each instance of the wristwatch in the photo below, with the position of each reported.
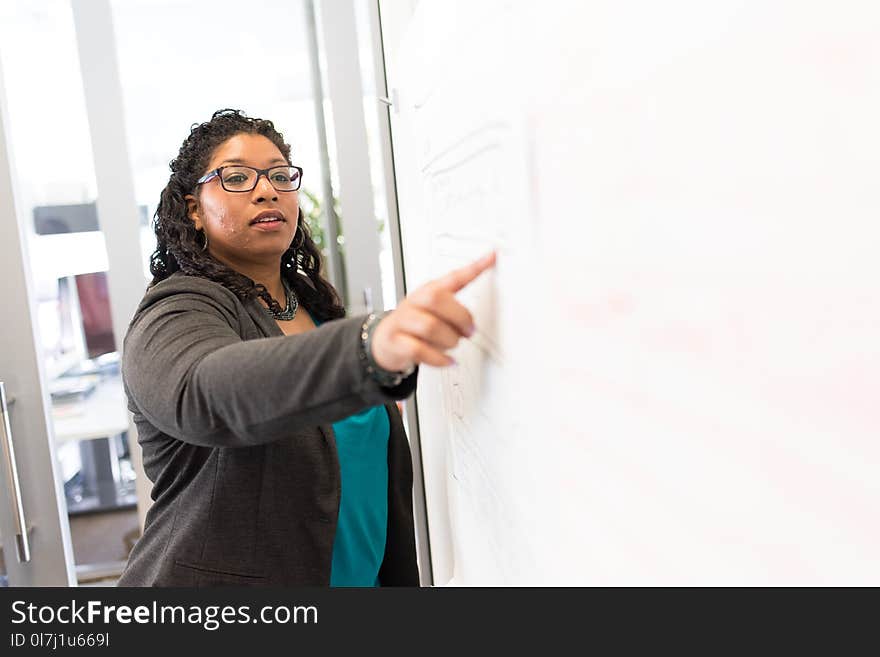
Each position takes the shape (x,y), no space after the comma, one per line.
(385,378)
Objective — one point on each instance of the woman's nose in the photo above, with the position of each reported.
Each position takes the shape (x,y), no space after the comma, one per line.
(264,189)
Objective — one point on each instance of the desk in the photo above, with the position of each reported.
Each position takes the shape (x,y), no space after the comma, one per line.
(103,413)
(95,422)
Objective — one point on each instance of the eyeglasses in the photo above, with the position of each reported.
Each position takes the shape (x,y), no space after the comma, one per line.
(240,178)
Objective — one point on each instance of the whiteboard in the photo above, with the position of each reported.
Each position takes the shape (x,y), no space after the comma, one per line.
(676,372)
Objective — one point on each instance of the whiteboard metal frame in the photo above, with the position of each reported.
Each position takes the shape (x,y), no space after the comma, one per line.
(411,413)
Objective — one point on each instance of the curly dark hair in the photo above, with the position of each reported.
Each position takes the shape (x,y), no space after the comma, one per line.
(178,243)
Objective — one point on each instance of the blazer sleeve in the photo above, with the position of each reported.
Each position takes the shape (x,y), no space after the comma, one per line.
(190,374)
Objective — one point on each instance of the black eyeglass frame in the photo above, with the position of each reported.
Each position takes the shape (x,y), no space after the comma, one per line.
(260,172)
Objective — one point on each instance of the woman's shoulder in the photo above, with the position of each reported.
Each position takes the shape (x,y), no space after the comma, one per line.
(181,281)
(182,284)
(183,292)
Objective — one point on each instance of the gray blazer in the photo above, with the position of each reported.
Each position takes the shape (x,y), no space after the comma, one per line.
(233,418)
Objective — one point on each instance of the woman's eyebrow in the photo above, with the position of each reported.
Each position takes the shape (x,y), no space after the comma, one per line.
(236,160)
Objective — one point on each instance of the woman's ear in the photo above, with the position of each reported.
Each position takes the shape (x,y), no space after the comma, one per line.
(192,210)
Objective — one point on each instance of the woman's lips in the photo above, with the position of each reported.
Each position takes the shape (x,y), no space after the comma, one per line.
(273,225)
(268,220)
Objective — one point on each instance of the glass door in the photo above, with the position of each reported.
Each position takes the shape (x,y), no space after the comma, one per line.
(34,532)
(75,243)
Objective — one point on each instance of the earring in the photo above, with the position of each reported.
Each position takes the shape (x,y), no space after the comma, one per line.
(205,235)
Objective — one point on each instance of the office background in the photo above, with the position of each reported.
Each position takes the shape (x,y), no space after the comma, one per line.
(675,372)
(96,98)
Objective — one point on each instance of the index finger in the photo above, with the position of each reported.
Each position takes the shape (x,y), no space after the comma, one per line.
(458,278)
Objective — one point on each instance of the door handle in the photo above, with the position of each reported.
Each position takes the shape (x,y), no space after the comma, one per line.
(21,535)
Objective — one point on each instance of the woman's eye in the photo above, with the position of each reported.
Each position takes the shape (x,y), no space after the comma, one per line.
(235,178)
(280,177)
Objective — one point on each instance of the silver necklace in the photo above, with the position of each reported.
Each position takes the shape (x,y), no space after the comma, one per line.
(292,303)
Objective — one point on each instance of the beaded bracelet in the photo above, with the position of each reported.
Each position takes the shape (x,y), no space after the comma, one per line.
(385,378)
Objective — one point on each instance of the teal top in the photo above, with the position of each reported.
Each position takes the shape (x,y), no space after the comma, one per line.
(359,546)
(362,526)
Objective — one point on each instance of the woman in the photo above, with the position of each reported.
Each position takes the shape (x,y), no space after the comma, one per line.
(266,417)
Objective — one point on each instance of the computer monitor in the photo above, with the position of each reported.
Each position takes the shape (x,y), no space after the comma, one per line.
(97,320)
(60,326)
